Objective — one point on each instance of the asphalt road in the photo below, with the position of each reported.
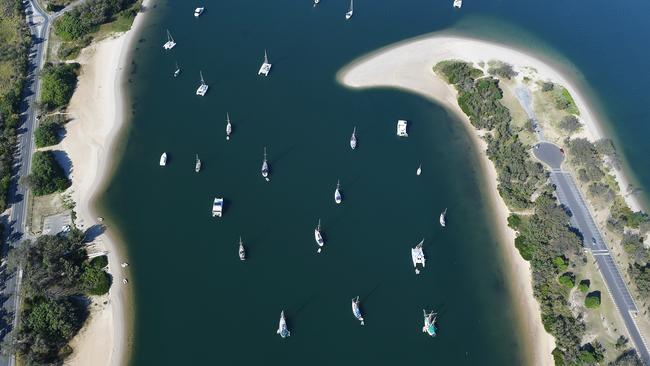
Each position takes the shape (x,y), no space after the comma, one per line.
(569,196)
(39,24)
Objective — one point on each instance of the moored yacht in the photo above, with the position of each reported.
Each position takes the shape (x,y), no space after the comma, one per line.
(197,165)
(177,71)
(337,193)
(458,4)
(353,138)
(163,159)
(198,11)
(319,237)
(401,128)
(265,167)
(266,66)
(228,127)
(283,330)
(356,310)
(348,15)
(443,216)
(203,88)
(419,171)
(217,207)
(417,255)
(429,323)
(170,41)
(242,250)
(316,2)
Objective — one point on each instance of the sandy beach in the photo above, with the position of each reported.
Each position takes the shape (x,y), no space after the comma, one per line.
(408,66)
(97,115)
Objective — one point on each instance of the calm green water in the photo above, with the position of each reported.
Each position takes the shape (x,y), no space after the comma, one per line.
(196,303)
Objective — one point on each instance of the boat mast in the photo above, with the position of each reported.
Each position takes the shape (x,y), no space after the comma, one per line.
(318,227)
(338,184)
(351,5)
(227,118)
(202,82)
(266,58)
(265,154)
(169,36)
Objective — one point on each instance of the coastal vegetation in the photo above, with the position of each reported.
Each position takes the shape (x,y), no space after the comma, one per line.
(563,99)
(14,44)
(48,130)
(46,176)
(544,233)
(58,83)
(57,278)
(76,27)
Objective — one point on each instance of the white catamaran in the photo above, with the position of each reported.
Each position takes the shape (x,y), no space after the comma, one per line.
(319,237)
(266,66)
(170,41)
(348,15)
(163,159)
(443,216)
(353,138)
(228,127)
(217,207)
(283,330)
(197,165)
(198,11)
(458,4)
(337,193)
(356,310)
(242,250)
(417,254)
(401,128)
(419,171)
(177,71)
(316,2)
(265,167)
(203,88)
(429,323)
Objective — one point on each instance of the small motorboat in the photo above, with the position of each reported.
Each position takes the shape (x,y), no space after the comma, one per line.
(419,171)
(348,15)
(265,167)
(337,194)
(163,159)
(443,216)
(401,128)
(228,127)
(353,138)
(217,207)
(197,165)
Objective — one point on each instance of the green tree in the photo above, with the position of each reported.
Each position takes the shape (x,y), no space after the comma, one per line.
(570,124)
(58,84)
(46,134)
(592,301)
(46,176)
(95,280)
(584,286)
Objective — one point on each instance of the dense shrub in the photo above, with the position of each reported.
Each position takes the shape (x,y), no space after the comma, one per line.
(584,286)
(567,280)
(99,262)
(46,134)
(592,301)
(570,124)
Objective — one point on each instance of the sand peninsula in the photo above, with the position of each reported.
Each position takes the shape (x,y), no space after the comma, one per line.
(408,66)
(97,111)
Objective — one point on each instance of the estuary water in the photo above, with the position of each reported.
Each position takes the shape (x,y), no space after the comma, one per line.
(196,303)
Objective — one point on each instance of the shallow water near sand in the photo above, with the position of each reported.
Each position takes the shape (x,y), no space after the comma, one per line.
(196,303)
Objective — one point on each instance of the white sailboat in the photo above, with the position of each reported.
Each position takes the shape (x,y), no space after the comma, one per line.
(353,138)
(443,216)
(266,66)
(170,41)
(337,193)
(419,171)
(283,330)
(203,88)
(316,2)
(417,255)
(356,310)
(430,323)
(458,4)
(319,237)
(228,127)
(177,71)
(242,250)
(265,167)
(163,159)
(348,15)
(197,165)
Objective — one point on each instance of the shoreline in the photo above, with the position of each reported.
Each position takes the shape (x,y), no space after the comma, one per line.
(388,68)
(99,114)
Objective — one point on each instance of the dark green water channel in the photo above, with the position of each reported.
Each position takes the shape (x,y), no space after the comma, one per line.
(195,302)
